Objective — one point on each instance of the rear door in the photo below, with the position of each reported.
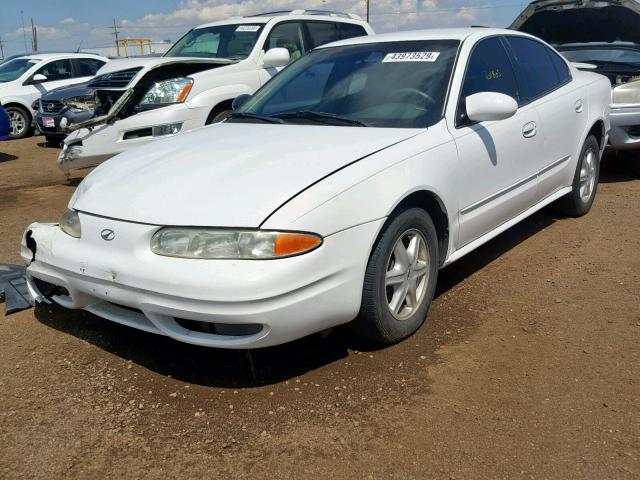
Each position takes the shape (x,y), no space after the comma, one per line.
(85,68)
(498,159)
(561,107)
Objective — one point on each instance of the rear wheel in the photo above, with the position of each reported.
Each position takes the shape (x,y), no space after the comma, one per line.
(400,278)
(20,121)
(585,181)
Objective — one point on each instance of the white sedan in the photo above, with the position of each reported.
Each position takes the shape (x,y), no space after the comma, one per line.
(333,195)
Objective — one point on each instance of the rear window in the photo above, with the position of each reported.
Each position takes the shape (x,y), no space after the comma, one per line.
(535,64)
(562,69)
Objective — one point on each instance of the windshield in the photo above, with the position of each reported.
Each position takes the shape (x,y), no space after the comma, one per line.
(233,42)
(13,69)
(602,55)
(395,85)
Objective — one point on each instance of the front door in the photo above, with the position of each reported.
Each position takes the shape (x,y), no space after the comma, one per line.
(498,171)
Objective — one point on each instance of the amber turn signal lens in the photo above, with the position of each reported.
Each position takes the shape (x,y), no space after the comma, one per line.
(185,92)
(293,243)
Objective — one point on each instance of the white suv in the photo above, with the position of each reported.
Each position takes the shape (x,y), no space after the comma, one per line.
(195,82)
(25,79)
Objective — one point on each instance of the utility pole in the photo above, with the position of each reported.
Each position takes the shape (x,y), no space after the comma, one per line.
(1,49)
(24,32)
(116,32)
(367,1)
(34,36)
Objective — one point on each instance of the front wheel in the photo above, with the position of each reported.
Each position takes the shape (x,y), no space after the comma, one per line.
(400,278)
(20,122)
(585,181)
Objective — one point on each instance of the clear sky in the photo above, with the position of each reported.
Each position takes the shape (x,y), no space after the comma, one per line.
(68,24)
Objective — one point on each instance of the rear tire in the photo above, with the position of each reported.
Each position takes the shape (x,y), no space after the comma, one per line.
(585,182)
(20,121)
(400,278)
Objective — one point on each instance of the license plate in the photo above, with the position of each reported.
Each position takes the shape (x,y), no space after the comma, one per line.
(48,122)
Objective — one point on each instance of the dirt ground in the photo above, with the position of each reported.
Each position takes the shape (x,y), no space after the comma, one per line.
(529,367)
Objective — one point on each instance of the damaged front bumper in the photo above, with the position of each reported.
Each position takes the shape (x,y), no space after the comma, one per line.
(89,147)
(625,127)
(215,303)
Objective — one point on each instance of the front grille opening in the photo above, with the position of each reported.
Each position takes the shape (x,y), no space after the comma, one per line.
(49,289)
(227,329)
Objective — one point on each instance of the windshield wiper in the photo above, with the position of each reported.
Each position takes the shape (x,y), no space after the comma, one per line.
(251,116)
(320,117)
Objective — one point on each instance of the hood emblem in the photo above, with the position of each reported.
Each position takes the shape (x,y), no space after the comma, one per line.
(50,107)
(107,234)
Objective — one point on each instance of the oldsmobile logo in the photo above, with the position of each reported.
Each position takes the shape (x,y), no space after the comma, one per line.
(107,234)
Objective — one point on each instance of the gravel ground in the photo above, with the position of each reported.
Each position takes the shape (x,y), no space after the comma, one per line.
(528,368)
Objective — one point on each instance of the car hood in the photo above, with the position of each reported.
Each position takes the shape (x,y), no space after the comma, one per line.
(229,174)
(147,64)
(581,21)
(67,92)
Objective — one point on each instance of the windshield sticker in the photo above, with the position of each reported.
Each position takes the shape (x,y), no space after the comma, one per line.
(248,28)
(411,57)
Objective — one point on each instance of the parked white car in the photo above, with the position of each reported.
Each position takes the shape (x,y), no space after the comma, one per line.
(25,79)
(333,195)
(195,82)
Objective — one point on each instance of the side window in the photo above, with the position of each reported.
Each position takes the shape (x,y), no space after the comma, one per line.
(489,70)
(533,60)
(322,32)
(87,67)
(561,66)
(349,30)
(58,70)
(287,35)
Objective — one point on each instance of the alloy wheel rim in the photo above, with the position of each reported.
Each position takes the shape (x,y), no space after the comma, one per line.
(407,274)
(18,122)
(587,175)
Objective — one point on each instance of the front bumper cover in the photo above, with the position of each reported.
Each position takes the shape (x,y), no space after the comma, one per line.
(122,281)
(625,128)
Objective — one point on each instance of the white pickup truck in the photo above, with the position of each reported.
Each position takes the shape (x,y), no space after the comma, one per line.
(138,100)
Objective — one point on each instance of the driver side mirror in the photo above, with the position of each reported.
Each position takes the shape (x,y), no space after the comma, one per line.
(239,101)
(38,78)
(490,106)
(276,57)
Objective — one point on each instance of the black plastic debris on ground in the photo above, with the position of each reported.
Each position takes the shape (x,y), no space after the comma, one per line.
(13,288)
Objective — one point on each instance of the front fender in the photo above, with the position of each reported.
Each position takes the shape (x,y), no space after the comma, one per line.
(212,97)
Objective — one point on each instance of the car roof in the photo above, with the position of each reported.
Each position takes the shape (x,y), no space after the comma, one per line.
(427,34)
(267,17)
(50,56)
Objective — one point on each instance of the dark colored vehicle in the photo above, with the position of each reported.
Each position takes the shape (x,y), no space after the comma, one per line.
(63,106)
(602,36)
(5,124)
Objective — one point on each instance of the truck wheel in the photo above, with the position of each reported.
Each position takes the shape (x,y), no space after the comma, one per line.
(218,116)
(20,121)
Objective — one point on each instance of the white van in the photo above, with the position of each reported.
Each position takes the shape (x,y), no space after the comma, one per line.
(140,99)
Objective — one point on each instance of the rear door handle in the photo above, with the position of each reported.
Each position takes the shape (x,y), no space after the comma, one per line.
(579,106)
(529,130)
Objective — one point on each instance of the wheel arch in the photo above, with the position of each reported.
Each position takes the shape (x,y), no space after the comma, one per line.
(435,207)
(14,103)
(599,132)
(219,107)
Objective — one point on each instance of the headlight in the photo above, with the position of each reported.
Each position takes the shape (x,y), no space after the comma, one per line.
(231,244)
(70,223)
(166,92)
(81,103)
(627,93)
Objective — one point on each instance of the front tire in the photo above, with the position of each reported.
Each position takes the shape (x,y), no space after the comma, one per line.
(217,117)
(585,181)
(400,278)
(20,122)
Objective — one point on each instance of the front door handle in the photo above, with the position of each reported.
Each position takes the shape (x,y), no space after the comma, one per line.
(529,130)
(579,106)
